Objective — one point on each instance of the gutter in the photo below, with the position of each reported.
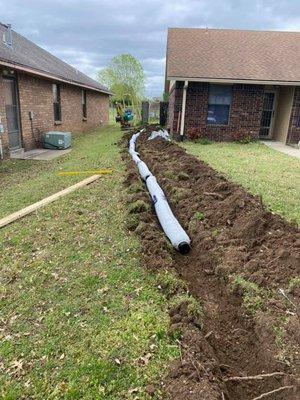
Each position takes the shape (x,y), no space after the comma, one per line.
(46,75)
(186,83)
(231,80)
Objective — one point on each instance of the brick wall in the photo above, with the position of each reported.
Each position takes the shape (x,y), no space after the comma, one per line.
(35,95)
(293,136)
(244,118)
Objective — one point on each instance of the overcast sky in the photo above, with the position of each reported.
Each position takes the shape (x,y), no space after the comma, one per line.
(88,33)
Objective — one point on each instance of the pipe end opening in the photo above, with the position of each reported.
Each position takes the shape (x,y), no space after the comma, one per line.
(184,248)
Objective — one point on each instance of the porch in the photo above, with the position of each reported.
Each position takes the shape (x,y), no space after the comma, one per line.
(277,113)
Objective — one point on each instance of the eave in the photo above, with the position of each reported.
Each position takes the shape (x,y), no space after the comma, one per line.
(46,75)
(231,81)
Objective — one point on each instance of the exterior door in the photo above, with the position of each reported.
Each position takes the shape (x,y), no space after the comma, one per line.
(12,113)
(268,113)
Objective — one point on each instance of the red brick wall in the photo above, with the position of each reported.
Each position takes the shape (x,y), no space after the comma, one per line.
(293,136)
(244,118)
(35,95)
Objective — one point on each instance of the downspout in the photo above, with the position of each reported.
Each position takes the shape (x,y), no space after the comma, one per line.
(186,83)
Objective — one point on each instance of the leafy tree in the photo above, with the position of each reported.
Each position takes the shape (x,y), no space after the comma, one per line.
(125,78)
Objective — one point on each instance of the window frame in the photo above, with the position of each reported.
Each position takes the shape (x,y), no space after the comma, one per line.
(214,104)
(84,104)
(56,102)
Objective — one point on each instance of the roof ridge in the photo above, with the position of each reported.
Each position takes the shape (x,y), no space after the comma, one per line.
(29,54)
(52,55)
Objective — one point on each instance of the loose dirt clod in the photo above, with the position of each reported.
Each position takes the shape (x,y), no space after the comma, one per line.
(246,332)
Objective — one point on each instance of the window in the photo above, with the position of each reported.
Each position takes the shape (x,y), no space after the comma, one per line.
(219,104)
(56,102)
(83,102)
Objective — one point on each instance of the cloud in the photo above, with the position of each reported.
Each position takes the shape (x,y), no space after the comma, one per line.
(87,34)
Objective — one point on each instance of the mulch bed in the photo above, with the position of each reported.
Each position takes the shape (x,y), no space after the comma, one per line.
(235,236)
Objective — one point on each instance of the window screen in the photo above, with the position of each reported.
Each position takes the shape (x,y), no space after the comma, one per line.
(219,104)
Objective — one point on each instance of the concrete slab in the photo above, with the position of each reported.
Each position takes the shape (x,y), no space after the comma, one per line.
(283,148)
(40,154)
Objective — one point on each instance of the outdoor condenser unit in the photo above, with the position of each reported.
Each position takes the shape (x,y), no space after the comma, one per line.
(57,140)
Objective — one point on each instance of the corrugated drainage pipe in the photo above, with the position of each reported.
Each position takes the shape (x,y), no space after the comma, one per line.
(170,225)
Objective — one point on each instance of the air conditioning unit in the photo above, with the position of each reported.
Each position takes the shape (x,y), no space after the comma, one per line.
(57,140)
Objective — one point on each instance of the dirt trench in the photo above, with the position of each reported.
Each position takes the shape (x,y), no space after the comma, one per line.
(241,255)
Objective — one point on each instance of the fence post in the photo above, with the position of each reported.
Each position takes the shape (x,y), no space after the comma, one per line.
(145,112)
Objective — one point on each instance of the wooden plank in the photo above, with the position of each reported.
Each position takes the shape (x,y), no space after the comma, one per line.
(33,207)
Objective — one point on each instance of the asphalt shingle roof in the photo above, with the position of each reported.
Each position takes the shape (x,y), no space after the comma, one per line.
(24,53)
(233,54)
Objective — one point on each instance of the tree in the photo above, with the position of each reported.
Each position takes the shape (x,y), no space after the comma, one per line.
(125,78)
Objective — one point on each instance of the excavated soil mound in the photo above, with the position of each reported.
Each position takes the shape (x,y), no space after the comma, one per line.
(242,268)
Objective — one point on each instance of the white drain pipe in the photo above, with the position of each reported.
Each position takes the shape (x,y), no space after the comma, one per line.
(170,225)
(186,84)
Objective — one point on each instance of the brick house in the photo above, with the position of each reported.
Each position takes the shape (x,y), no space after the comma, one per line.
(233,84)
(40,93)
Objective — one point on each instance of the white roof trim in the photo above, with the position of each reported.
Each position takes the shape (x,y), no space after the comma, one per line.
(242,81)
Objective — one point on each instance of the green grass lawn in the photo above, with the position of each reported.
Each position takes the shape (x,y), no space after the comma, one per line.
(261,170)
(80,318)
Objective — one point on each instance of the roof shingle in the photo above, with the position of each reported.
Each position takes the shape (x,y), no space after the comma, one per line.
(25,53)
(233,54)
